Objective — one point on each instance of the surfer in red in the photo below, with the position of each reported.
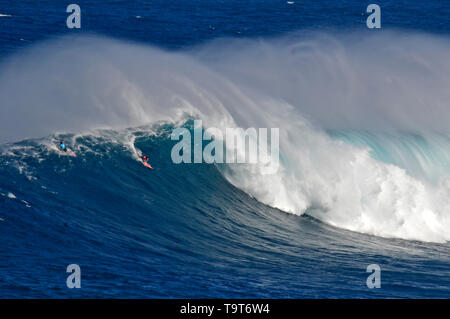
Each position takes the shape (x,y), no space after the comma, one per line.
(144,159)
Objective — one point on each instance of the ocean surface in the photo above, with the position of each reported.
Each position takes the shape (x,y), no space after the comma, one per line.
(364,174)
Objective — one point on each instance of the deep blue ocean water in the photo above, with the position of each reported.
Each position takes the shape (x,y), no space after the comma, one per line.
(185,231)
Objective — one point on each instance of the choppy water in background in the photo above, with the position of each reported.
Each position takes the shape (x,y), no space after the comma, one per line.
(175,24)
(363,180)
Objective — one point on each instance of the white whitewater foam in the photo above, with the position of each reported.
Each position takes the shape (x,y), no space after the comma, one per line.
(345,187)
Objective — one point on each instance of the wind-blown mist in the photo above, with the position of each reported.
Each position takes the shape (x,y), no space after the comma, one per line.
(363,121)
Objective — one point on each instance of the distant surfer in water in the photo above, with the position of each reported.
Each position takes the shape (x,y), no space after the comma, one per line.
(144,159)
(62,146)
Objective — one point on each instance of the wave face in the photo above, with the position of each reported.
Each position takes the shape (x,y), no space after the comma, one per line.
(178,231)
(364,146)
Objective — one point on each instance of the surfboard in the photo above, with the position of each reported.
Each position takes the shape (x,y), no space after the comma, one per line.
(69,153)
(147,165)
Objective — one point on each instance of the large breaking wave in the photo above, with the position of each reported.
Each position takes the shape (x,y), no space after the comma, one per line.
(364,136)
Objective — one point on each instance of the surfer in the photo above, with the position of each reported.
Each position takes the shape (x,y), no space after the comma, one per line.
(62,146)
(144,159)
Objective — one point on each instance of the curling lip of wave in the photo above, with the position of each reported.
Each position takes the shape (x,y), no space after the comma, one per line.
(387,82)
